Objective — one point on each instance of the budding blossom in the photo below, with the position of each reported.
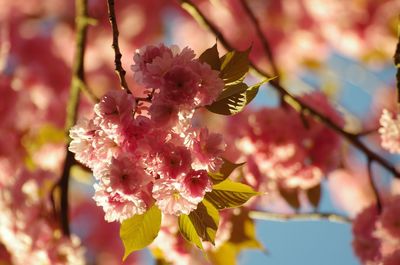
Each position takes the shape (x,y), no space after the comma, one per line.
(282,149)
(144,155)
(390,131)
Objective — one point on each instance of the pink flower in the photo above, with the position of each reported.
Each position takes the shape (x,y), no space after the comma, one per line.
(114,111)
(83,135)
(180,86)
(144,58)
(197,183)
(390,217)
(163,114)
(115,104)
(365,244)
(210,86)
(171,198)
(207,148)
(119,206)
(392,259)
(390,131)
(124,175)
(173,161)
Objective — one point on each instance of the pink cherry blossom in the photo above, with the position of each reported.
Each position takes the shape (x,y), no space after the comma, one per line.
(124,175)
(117,205)
(210,85)
(390,131)
(392,259)
(365,244)
(180,86)
(143,58)
(171,198)
(197,183)
(173,161)
(207,148)
(390,217)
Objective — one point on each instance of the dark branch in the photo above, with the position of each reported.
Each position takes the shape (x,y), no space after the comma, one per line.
(265,44)
(77,80)
(117,59)
(353,139)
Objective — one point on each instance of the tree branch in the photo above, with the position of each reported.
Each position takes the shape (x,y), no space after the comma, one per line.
(282,217)
(353,139)
(117,58)
(77,80)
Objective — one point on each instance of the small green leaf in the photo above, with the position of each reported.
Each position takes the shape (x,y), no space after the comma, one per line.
(230,105)
(314,195)
(252,92)
(231,90)
(291,196)
(235,66)
(229,194)
(226,169)
(139,231)
(188,230)
(211,57)
(205,220)
(234,98)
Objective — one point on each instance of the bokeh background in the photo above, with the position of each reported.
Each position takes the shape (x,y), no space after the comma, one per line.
(343,48)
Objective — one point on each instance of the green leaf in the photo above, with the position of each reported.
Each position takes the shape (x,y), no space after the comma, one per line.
(226,169)
(235,66)
(139,231)
(230,105)
(188,230)
(234,98)
(211,57)
(205,220)
(231,90)
(314,195)
(229,194)
(252,92)
(291,196)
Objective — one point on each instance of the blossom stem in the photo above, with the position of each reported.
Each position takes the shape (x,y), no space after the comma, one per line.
(354,139)
(283,217)
(115,44)
(77,81)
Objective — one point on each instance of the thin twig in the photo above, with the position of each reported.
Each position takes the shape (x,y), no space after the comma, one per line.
(117,58)
(88,92)
(282,217)
(367,132)
(265,44)
(373,185)
(77,80)
(353,139)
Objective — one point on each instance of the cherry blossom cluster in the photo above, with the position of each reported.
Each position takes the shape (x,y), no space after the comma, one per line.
(144,154)
(377,236)
(283,149)
(28,229)
(390,131)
